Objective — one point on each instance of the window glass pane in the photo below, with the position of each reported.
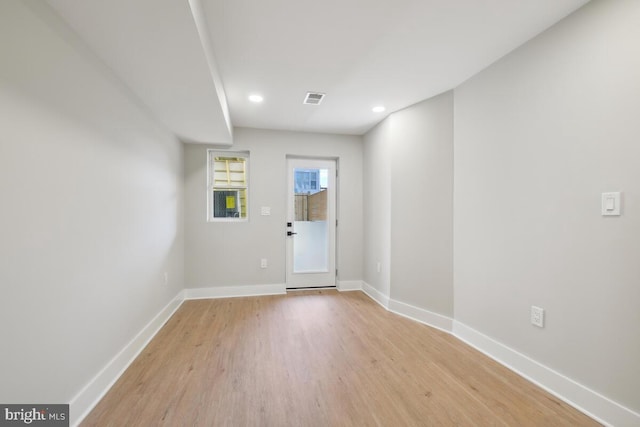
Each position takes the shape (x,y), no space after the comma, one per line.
(228,185)
(229,172)
(229,203)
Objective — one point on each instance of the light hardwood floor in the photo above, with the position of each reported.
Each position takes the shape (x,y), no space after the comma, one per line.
(317,358)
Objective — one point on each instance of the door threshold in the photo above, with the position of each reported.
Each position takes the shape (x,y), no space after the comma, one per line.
(311,288)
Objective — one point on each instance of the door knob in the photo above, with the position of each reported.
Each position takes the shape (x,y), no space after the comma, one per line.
(290,233)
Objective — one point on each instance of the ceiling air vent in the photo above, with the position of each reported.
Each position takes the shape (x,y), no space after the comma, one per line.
(313,98)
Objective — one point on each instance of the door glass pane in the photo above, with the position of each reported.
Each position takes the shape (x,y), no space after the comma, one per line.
(310,244)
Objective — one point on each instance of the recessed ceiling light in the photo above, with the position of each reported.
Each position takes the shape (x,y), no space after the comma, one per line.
(255,98)
(378,109)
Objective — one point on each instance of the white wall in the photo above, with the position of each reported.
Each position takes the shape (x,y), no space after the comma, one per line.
(90,211)
(422,205)
(538,137)
(377,211)
(228,254)
(408,164)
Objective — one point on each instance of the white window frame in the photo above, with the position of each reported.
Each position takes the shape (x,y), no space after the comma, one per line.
(211,187)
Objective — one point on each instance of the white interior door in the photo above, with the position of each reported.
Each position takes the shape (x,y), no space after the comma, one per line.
(311,223)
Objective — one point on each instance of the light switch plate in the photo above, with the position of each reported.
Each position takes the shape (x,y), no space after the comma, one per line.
(611,204)
(265,210)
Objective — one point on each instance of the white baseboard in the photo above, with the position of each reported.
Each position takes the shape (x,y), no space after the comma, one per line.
(421,315)
(87,398)
(349,285)
(376,295)
(235,291)
(597,406)
(417,314)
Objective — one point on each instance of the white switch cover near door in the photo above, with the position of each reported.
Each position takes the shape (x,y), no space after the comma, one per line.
(611,204)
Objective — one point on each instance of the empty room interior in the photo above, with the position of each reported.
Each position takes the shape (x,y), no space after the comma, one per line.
(421,212)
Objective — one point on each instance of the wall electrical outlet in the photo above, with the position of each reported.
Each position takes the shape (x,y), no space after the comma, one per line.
(537,316)
(166,278)
(263,263)
(378,267)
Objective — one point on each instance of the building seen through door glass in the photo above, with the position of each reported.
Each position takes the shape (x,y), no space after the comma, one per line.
(310,194)
(228,186)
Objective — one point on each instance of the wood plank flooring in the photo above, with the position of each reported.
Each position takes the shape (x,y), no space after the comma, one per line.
(317,358)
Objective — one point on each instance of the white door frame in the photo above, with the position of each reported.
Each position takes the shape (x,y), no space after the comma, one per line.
(312,279)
